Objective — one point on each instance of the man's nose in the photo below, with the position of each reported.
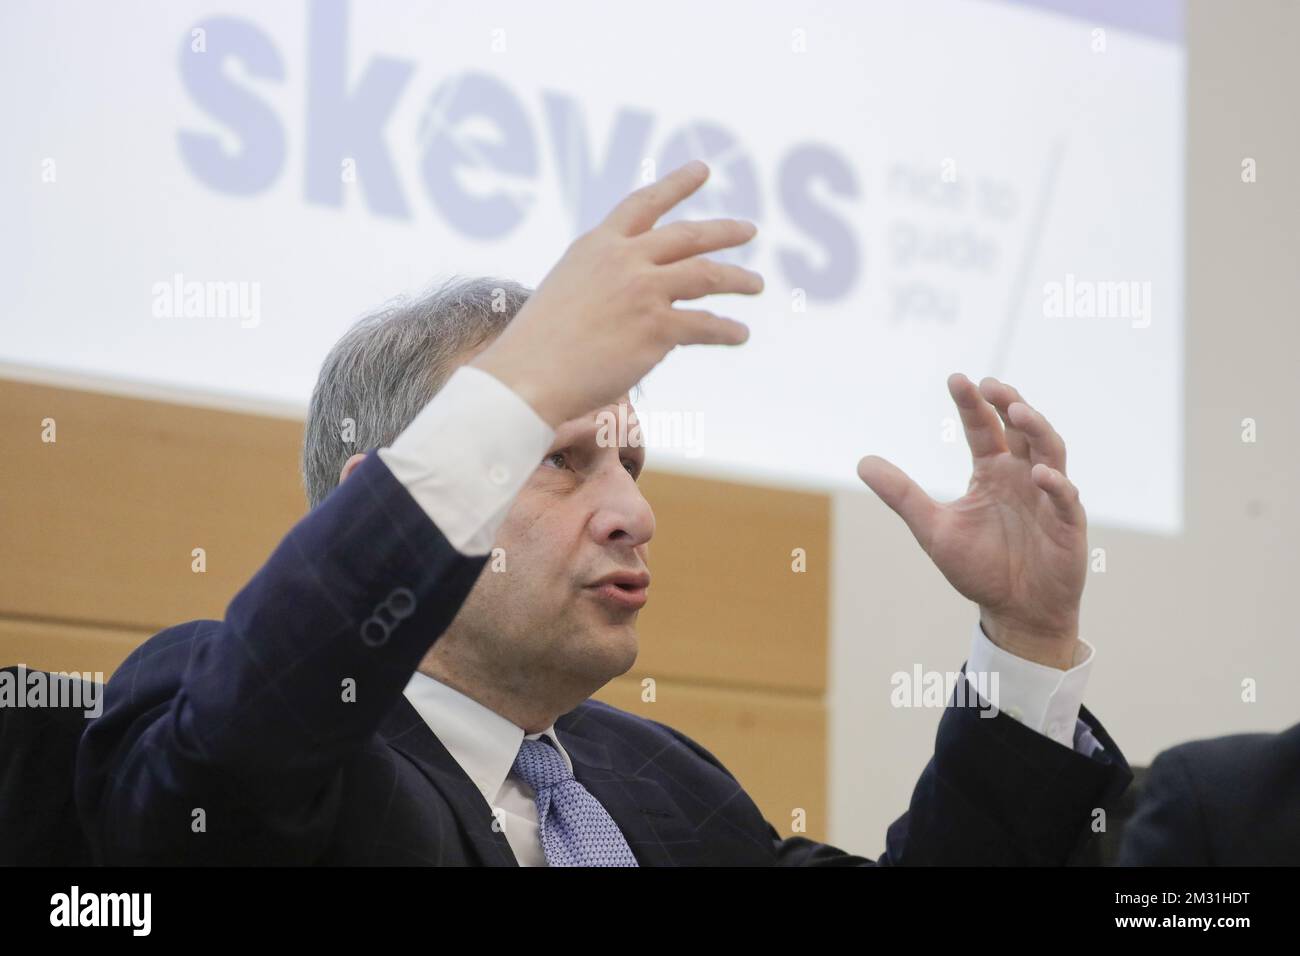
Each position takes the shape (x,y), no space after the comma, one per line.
(622,515)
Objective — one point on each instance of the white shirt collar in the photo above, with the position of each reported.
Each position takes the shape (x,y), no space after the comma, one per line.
(483,742)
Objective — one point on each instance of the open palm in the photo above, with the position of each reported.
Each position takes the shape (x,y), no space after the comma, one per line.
(1016,542)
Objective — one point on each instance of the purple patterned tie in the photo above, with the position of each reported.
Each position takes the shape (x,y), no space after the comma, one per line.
(575,829)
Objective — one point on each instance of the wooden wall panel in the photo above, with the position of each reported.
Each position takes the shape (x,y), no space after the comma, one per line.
(726,606)
(60,646)
(100,524)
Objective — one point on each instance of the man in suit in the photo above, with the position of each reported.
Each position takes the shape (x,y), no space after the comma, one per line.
(1229,801)
(407,679)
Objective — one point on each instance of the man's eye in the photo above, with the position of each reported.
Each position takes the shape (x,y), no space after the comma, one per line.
(632,466)
(556,460)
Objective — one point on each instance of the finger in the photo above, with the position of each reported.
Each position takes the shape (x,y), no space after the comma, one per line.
(917,509)
(681,240)
(697,277)
(1000,395)
(1045,445)
(642,209)
(700,327)
(1062,493)
(983,428)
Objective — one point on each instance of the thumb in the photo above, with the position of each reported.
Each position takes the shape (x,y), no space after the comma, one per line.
(901,493)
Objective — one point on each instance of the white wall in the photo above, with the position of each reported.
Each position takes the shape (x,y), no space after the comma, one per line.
(1178,622)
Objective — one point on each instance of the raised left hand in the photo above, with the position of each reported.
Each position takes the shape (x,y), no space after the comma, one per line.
(1016,543)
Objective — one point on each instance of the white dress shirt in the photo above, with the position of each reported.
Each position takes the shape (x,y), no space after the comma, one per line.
(464,458)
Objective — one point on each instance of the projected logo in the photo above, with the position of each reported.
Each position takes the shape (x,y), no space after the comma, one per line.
(345,140)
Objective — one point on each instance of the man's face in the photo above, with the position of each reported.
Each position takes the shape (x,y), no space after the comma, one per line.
(558,602)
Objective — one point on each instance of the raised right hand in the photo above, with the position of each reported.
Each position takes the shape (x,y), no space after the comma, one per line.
(603,317)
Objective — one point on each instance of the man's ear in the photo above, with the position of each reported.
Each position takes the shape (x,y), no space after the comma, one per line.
(349,466)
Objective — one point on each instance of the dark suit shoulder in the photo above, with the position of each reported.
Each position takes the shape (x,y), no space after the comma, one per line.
(1223,773)
(168,638)
(1232,756)
(160,660)
(1219,802)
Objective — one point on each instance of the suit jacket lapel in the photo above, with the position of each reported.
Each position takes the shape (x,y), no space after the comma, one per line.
(406,732)
(656,830)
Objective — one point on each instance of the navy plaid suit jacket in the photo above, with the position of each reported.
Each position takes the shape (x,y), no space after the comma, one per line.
(242,725)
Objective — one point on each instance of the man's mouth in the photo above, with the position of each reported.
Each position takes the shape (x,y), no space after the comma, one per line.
(623,589)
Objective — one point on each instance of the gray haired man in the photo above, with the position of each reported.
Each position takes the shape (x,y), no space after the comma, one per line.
(469,736)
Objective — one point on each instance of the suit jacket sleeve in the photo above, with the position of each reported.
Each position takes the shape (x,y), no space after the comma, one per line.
(224,741)
(995,793)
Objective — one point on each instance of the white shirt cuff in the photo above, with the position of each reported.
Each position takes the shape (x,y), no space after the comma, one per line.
(1043,698)
(467,454)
